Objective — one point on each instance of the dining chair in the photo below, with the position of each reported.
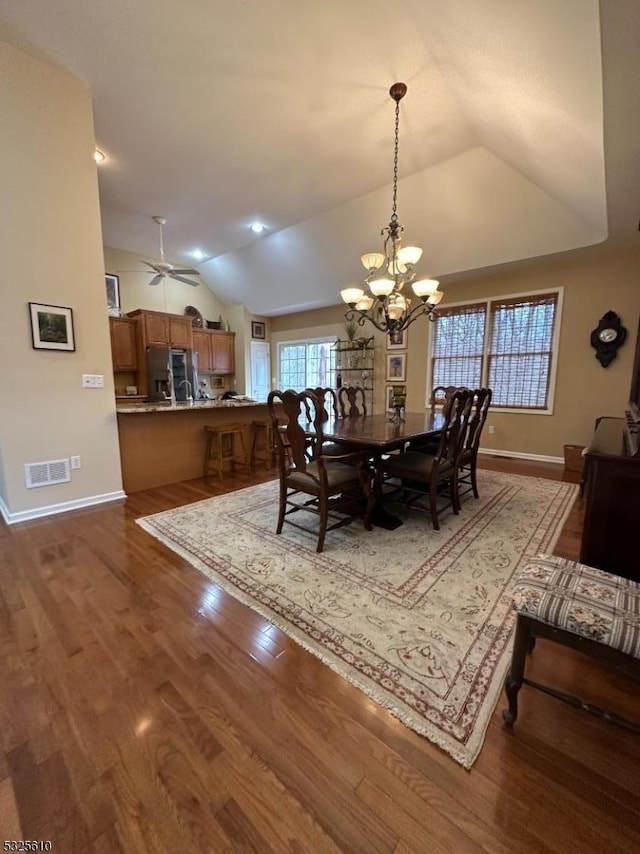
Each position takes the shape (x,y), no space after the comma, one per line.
(352,402)
(440,394)
(340,486)
(468,454)
(422,474)
(327,399)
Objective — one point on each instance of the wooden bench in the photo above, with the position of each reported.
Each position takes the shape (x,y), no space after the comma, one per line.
(595,612)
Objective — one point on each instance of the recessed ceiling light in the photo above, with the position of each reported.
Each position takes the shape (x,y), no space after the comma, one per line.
(98,156)
(257,226)
(198,254)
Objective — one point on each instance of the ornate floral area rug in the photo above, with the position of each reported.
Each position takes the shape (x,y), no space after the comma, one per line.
(420,620)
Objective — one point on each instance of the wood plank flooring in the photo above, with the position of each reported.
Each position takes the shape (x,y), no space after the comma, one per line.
(142,709)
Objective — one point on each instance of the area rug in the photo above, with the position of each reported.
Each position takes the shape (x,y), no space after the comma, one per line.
(420,620)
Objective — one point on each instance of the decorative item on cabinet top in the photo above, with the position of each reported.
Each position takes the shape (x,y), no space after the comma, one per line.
(197,319)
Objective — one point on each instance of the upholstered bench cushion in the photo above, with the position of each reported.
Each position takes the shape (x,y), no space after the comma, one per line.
(582,600)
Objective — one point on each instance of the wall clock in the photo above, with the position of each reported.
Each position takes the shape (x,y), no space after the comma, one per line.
(608,335)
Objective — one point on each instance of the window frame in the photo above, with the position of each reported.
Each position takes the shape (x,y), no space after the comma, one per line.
(323,339)
(487,301)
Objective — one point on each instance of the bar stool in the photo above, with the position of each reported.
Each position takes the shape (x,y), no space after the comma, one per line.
(220,449)
(262,443)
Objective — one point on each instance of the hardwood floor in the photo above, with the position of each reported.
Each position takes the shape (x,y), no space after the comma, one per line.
(142,709)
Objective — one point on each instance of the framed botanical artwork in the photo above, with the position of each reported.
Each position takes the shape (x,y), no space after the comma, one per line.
(113,293)
(396,367)
(258,329)
(395,396)
(51,327)
(389,397)
(397,340)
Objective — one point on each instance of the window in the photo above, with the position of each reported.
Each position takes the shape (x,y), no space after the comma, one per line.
(504,343)
(305,364)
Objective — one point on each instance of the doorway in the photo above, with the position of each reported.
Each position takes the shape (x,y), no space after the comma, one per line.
(260,370)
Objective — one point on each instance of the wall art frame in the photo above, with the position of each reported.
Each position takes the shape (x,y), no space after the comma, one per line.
(51,327)
(397,340)
(112,283)
(258,330)
(396,367)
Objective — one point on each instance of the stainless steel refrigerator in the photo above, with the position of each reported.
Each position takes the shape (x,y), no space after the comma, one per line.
(173,374)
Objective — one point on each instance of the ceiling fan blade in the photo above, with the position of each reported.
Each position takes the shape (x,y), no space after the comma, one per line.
(187,272)
(182,279)
(156,280)
(153,266)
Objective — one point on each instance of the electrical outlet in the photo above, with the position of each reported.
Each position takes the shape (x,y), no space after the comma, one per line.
(492,429)
(93,381)
(76,462)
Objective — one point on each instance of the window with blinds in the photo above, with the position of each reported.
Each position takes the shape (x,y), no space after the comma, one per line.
(305,364)
(506,344)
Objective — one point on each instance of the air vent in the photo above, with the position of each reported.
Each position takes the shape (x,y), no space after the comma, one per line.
(47,473)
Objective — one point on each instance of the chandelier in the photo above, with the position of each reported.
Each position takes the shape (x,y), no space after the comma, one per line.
(390,270)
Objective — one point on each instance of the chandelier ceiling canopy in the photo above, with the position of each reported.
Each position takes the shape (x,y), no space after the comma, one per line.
(390,270)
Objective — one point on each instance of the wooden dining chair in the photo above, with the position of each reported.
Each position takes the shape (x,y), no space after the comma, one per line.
(328,399)
(468,454)
(340,486)
(424,475)
(440,395)
(352,402)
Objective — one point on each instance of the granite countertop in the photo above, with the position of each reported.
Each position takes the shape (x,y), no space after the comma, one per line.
(138,408)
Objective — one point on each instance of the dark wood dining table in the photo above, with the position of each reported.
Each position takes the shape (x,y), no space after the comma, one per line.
(379,435)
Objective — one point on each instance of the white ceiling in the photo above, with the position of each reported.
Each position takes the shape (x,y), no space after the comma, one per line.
(518,133)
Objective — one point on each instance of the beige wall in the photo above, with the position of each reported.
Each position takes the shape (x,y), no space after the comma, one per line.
(50,244)
(595,280)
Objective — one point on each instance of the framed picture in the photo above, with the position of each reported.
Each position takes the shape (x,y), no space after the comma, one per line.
(257,329)
(397,340)
(395,394)
(113,293)
(396,367)
(389,394)
(51,327)
(216,382)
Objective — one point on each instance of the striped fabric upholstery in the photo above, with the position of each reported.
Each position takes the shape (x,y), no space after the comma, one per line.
(582,600)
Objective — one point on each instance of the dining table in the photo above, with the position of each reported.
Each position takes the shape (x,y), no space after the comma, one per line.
(379,435)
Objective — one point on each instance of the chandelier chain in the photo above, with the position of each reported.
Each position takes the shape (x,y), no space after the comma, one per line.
(394,214)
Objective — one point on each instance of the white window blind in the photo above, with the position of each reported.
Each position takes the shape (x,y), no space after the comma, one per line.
(506,344)
(305,364)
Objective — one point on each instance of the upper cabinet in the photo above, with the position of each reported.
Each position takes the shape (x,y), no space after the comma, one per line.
(123,343)
(156,327)
(216,351)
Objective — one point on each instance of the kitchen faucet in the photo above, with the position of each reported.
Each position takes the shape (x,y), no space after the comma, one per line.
(189,390)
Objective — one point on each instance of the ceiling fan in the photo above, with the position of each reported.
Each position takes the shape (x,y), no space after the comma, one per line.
(164,268)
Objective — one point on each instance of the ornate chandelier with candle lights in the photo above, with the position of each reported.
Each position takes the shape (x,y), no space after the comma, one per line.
(390,270)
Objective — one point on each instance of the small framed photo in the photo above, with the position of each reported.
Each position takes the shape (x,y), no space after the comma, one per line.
(395,396)
(389,397)
(216,382)
(113,293)
(396,367)
(258,329)
(397,340)
(51,327)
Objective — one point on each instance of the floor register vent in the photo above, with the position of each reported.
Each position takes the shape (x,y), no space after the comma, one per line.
(47,473)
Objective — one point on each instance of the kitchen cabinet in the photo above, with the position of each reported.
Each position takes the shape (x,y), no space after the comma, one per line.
(216,351)
(202,345)
(223,356)
(123,344)
(157,327)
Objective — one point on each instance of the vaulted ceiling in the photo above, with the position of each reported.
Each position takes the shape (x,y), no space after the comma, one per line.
(518,134)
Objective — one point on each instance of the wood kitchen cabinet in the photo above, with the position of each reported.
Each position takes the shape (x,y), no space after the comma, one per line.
(123,344)
(157,327)
(202,345)
(216,351)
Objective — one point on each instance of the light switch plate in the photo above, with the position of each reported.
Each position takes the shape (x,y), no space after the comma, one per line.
(93,381)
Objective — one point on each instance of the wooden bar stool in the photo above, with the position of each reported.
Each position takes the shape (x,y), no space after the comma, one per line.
(222,445)
(262,443)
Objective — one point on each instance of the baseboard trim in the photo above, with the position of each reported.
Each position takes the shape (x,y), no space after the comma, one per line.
(520,455)
(63,507)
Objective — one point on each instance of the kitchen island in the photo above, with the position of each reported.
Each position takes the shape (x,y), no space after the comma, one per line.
(162,443)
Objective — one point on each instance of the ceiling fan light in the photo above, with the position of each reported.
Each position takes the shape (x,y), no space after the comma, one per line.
(351,295)
(372,260)
(425,287)
(409,255)
(381,287)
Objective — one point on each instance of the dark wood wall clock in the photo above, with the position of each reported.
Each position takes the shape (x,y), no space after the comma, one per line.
(608,335)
